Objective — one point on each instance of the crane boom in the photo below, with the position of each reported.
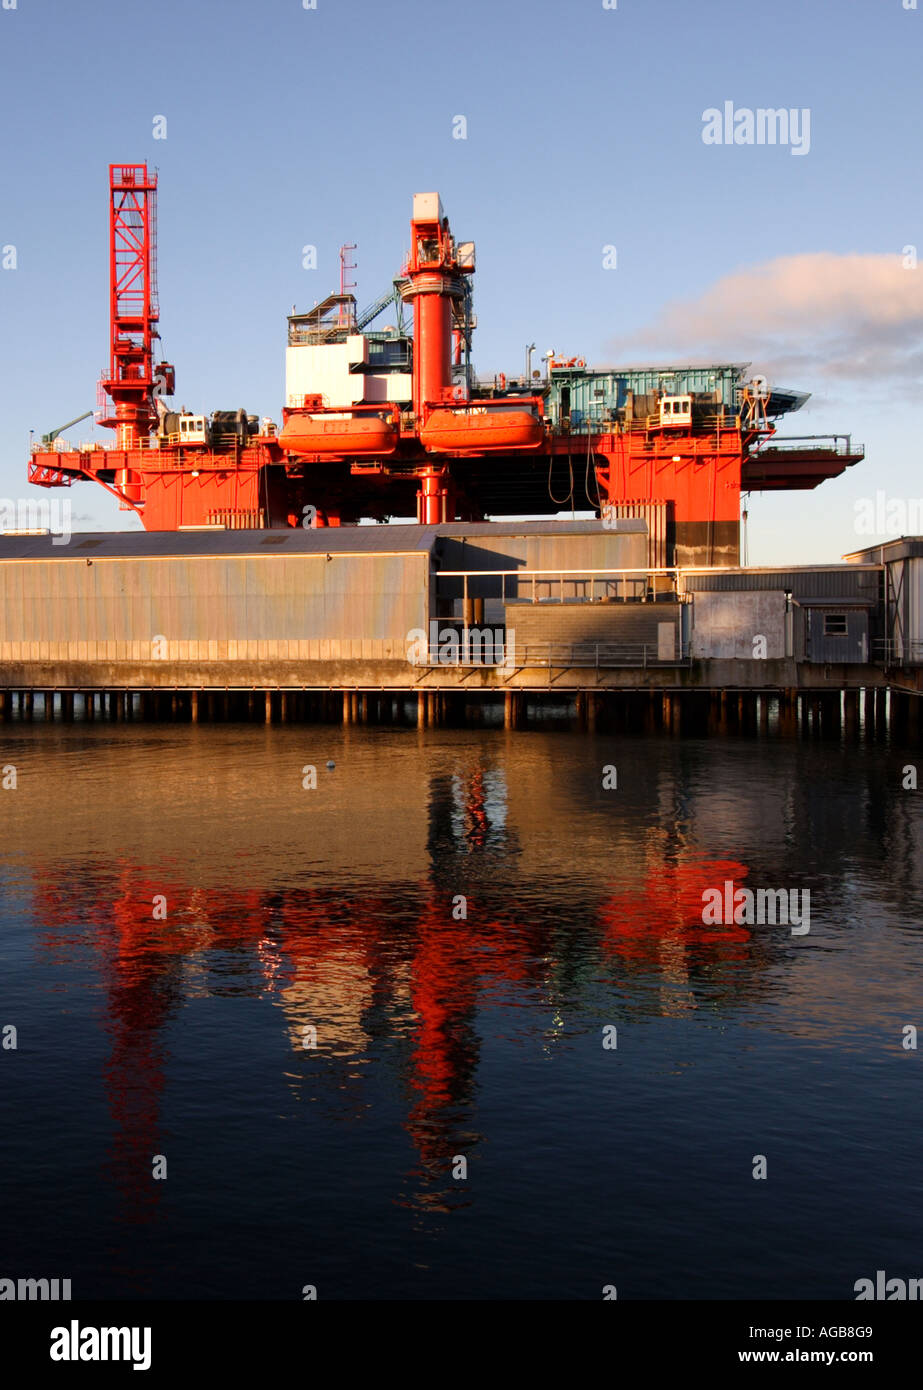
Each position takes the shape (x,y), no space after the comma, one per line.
(52,435)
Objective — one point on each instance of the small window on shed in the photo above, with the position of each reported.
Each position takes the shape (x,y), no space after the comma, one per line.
(834,624)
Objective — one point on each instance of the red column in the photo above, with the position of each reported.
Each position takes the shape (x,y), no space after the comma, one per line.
(432,341)
(436,498)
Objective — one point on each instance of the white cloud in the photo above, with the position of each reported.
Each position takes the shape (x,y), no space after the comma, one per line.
(812,321)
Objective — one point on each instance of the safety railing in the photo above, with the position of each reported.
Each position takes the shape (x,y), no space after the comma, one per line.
(62,446)
(598,655)
(601,420)
(502,650)
(839,444)
(591,585)
(316,337)
(487,650)
(91,446)
(893,651)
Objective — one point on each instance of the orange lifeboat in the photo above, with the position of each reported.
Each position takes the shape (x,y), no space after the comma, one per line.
(446,431)
(307,434)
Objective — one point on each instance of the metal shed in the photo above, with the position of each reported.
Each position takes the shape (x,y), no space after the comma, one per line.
(902,561)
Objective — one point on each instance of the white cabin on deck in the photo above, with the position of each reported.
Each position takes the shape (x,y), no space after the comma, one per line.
(344,372)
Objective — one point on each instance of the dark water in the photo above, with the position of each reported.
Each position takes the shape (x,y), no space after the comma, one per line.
(436,1038)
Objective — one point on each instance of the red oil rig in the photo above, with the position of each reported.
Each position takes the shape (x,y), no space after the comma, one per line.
(382,423)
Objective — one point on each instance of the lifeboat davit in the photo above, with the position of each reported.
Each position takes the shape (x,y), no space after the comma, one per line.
(446,430)
(307,434)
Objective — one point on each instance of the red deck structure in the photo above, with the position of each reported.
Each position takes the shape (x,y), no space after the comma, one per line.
(418,434)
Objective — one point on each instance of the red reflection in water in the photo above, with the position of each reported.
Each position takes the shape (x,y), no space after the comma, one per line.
(446,1049)
(141,964)
(640,924)
(478,821)
(364,952)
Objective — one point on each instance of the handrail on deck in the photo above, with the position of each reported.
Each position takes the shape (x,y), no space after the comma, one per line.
(839,444)
(497,652)
(643,579)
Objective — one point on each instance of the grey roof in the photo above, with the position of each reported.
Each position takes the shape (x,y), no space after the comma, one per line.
(142,544)
(903,548)
(814,582)
(330,540)
(739,572)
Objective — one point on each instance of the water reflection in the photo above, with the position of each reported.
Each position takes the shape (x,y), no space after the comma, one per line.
(391,978)
(381,921)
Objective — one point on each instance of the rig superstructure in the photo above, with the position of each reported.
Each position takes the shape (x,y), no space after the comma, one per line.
(393,422)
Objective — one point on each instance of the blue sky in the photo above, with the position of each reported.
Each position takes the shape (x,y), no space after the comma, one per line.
(288,126)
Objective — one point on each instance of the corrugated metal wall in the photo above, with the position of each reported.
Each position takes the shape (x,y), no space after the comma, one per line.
(850,581)
(851,646)
(596,548)
(595,395)
(655,515)
(913,590)
(296,607)
(599,549)
(630,623)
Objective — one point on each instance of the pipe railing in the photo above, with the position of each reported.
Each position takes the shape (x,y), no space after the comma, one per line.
(603,420)
(494,651)
(897,651)
(839,444)
(647,589)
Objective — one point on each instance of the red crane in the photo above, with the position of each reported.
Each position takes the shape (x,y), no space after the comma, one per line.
(133,308)
(133,381)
